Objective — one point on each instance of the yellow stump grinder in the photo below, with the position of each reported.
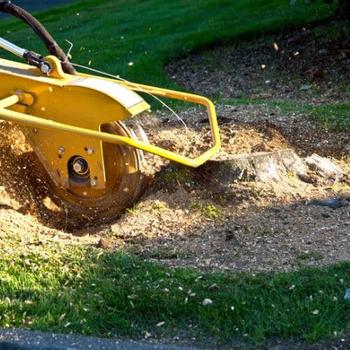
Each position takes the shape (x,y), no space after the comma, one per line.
(74,123)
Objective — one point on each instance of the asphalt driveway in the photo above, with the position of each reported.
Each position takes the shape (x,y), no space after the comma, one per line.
(20,339)
(38,5)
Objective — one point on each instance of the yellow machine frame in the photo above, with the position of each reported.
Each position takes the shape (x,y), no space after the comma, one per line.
(66,109)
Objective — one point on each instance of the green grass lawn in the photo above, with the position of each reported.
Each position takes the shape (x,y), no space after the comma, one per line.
(88,291)
(109,35)
(331,116)
(135,39)
(83,290)
(334,117)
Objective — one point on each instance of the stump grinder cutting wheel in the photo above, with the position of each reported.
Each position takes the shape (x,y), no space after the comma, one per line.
(74,122)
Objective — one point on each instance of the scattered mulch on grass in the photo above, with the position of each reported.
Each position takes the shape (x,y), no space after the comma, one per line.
(184,221)
(311,64)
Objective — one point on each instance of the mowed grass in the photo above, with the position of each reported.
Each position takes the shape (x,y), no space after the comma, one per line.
(85,290)
(66,288)
(335,117)
(136,38)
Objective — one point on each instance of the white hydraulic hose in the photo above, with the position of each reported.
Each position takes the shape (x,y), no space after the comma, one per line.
(8,46)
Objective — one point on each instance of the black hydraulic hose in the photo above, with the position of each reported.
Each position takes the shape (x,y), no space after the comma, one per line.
(40,30)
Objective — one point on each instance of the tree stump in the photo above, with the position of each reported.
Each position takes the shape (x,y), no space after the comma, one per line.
(324,167)
(261,166)
(266,167)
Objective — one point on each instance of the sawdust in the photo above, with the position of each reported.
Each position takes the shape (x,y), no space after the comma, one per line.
(182,220)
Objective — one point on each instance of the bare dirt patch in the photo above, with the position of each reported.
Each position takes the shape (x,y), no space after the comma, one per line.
(186,218)
(311,64)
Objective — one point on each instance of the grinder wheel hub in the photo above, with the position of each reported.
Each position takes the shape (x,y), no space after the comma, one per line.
(125,181)
(80,166)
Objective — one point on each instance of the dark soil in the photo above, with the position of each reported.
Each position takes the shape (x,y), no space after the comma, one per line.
(311,64)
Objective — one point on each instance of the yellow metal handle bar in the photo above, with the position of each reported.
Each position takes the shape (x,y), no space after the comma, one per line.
(37,122)
(176,95)
(183,96)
